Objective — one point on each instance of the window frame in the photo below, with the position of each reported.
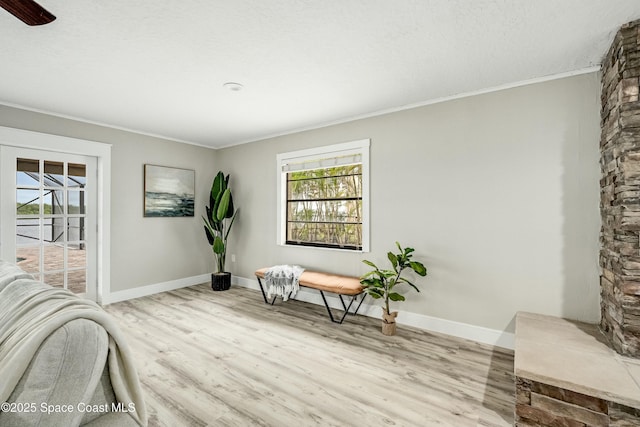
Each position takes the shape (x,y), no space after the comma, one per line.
(359,147)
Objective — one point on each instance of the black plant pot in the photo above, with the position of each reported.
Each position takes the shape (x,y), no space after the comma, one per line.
(220,281)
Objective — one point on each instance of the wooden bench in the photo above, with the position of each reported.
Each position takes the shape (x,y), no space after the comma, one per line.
(325,282)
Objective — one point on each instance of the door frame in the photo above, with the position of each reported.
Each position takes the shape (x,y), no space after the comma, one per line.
(102,152)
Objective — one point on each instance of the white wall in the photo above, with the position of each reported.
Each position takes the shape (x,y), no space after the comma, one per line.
(144,251)
(498,193)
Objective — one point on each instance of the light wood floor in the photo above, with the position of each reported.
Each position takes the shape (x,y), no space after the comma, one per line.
(228,359)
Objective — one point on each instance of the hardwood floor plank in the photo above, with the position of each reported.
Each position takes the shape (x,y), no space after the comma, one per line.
(226,358)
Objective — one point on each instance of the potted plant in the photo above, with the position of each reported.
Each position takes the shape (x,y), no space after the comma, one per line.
(217,225)
(380,284)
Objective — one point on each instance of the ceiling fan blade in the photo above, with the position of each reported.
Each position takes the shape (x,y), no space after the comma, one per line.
(28,11)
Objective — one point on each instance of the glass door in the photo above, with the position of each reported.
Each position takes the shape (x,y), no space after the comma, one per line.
(53,217)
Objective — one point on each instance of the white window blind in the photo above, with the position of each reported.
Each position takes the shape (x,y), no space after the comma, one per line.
(296,165)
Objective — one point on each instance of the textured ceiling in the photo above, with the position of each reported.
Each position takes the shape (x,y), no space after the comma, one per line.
(158,67)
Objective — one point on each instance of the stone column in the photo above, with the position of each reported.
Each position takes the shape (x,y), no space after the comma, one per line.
(620,192)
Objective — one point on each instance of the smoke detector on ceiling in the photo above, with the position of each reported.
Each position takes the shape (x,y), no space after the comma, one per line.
(233,87)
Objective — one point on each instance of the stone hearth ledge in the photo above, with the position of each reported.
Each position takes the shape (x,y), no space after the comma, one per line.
(574,356)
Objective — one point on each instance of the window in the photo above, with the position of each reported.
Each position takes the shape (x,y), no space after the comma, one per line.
(324,197)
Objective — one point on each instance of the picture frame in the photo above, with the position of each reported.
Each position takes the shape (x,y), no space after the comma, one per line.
(168,191)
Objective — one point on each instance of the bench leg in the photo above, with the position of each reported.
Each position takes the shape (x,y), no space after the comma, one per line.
(328,309)
(264,295)
(342,301)
(364,295)
(346,308)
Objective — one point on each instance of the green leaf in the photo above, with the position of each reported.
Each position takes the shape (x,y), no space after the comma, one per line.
(375,293)
(388,273)
(214,210)
(218,186)
(224,205)
(209,235)
(393,259)
(373,282)
(218,245)
(369,263)
(233,218)
(396,297)
(371,273)
(419,268)
(230,209)
(403,280)
(399,247)
(209,230)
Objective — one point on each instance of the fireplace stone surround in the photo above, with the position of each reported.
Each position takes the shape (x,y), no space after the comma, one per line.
(620,192)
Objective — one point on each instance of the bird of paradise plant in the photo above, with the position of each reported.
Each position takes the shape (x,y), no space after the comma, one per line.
(219,219)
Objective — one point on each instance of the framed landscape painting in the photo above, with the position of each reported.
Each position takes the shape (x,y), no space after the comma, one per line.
(168,192)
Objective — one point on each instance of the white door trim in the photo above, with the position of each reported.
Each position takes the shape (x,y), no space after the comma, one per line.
(42,141)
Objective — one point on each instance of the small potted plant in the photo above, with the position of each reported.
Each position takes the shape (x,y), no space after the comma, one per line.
(380,284)
(217,225)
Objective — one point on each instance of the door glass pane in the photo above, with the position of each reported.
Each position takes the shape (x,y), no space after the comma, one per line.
(54,230)
(77,281)
(53,174)
(55,279)
(27,231)
(27,202)
(28,258)
(77,256)
(76,202)
(75,232)
(27,172)
(54,202)
(53,257)
(77,175)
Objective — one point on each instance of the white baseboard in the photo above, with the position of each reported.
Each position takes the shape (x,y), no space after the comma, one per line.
(156,288)
(462,330)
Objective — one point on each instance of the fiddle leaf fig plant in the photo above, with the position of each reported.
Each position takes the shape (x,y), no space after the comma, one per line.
(381,283)
(219,219)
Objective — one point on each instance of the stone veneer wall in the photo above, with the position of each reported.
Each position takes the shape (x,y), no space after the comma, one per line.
(620,192)
(539,404)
